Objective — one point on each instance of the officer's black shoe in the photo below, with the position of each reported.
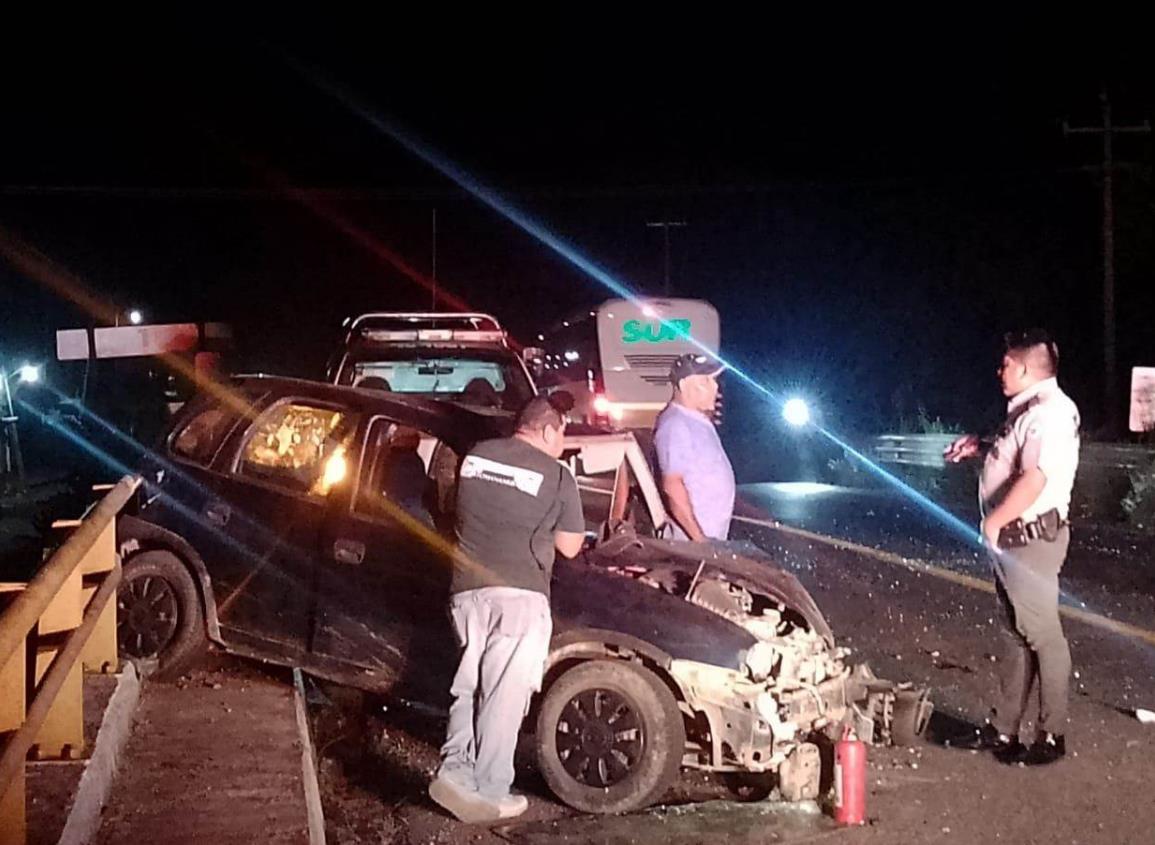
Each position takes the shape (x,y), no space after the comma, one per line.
(1012,753)
(1047,748)
(987,738)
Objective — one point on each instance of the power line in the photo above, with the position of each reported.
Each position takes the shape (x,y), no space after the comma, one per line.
(648,190)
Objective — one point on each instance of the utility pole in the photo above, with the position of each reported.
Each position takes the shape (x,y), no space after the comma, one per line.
(433,274)
(13,458)
(665,226)
(1108,129)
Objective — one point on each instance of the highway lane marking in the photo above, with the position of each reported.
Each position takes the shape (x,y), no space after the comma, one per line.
(1079,614)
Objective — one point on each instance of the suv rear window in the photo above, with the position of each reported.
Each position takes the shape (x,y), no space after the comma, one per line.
(490,378)
(449,375)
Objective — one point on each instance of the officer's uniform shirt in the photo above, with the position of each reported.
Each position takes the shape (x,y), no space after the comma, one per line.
(1041,430)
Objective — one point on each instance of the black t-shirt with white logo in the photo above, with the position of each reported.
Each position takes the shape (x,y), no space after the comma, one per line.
(511,498)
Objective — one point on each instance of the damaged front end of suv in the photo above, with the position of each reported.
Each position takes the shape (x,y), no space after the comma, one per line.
(752,662)
(793,681)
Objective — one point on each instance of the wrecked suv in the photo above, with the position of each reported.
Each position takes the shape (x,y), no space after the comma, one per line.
(272,524)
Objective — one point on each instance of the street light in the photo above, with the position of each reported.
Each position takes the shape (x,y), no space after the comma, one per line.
(13,459)
(796,412)
(134,316)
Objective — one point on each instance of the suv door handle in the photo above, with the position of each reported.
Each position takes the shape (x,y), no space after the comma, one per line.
(218,513)
(348,551)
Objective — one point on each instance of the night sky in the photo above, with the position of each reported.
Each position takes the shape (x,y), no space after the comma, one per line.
(868,213)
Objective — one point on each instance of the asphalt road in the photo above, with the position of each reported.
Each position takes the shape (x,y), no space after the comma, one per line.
(895,603)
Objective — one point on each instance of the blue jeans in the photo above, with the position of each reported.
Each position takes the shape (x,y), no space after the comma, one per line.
(504,634)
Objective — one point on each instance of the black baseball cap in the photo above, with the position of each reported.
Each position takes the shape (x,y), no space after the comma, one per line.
(694,364)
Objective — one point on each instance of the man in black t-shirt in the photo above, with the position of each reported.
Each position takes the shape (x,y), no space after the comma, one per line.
(516,506)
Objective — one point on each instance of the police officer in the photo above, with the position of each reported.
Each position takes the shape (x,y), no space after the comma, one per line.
(1024,494)
(516,506)
(697,478)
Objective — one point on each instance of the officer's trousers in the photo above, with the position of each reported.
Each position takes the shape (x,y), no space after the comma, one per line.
(1033,646)
(504,635)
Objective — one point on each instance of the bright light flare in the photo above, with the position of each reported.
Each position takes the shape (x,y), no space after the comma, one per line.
(29,374)
(336,468)
(578,259)
(605,408)
(796,412)
(135,316)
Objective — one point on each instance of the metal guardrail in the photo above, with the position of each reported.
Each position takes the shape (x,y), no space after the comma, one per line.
(1116,455)
(925,450)
(921,450)
(52,628)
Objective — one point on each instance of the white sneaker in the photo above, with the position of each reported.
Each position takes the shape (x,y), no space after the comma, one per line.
(459,777)
(511,806)
(464,804)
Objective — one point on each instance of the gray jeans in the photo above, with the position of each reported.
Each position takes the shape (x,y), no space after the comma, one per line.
(1034,648)
(504,635)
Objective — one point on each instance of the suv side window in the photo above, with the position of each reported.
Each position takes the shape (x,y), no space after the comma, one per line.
(200,438)
(300,447)
(393,478)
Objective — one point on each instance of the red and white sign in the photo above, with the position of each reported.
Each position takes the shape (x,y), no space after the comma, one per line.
(136,341)
(1142,399)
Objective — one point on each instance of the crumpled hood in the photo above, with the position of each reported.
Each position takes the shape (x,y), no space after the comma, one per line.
(740,563)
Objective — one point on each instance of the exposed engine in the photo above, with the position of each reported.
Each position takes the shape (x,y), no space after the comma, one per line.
(796,681)
(788,650)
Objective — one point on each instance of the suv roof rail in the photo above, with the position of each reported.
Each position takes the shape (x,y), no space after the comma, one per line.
(433,319)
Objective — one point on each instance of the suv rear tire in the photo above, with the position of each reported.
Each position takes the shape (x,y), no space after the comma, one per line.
(610,737)
(160,621)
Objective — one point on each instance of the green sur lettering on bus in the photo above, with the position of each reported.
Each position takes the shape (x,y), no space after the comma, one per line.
(655,331)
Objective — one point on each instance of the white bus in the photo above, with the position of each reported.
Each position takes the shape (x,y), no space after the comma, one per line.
(616,359)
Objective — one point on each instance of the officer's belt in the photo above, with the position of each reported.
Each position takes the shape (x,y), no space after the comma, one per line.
(1045,526)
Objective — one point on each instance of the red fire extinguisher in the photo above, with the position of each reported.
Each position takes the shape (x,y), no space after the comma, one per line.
(850,779)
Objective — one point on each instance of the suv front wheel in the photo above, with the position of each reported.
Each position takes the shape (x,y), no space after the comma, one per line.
(160,624)
(609,737)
